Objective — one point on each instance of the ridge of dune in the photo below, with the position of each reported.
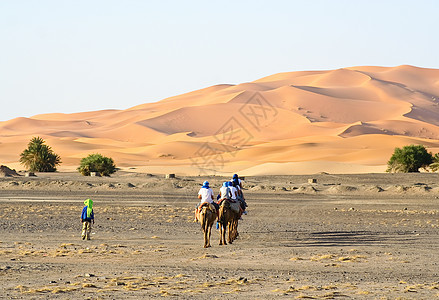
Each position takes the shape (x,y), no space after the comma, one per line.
(349,119)
(341,77)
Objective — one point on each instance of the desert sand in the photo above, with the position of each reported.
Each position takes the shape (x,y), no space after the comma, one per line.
(352,236)
(347,120)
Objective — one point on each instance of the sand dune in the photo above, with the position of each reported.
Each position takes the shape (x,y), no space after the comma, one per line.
(341,120)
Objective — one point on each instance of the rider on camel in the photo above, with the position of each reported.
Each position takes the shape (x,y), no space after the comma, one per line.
(238,184)
(225,192)
(205,194)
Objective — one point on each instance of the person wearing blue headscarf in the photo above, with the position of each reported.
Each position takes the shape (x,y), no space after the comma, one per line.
(225,192)
(240,196)
(205,194)
(236,181)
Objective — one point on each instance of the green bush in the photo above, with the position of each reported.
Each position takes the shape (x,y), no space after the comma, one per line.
(39,157)
(97,163)
(434,166)
(409,159)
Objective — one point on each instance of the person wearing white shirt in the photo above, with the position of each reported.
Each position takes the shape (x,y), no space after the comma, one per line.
(225,192)
(205,194)
(233,191)
(238,184)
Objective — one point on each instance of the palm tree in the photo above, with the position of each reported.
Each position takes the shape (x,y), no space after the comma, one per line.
(39,157)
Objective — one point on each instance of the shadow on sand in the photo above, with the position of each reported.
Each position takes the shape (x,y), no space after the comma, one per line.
(344,238)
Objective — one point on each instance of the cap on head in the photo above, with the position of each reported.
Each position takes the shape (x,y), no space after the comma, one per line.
(206,183)
(235,176)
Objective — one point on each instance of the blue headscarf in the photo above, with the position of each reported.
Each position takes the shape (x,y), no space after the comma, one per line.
(205,184)
(225,184)
(235,179)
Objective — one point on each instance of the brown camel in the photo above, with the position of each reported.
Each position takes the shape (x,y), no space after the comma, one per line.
(207,217)
(227,217)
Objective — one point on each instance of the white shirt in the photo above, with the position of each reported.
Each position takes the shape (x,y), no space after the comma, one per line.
(234,192)
(206,195)
(223,192)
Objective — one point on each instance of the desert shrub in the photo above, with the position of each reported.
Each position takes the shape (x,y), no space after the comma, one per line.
(97,163)
(409,159)
(39,157)
(434,166)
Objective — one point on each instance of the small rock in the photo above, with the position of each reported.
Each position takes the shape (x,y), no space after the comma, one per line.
(89,275)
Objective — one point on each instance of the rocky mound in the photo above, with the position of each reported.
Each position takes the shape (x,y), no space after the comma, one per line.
(6,172)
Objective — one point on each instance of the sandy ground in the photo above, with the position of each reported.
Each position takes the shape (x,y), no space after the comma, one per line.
(369,236)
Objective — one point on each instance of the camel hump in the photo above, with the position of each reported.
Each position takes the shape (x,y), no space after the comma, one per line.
(225,203)
(208,206)
(234,206)
(212,207)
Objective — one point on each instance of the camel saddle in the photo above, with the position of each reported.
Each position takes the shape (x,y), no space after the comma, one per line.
(235,206)
(208,205)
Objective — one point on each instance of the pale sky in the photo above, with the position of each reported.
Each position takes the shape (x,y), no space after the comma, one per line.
(84,55)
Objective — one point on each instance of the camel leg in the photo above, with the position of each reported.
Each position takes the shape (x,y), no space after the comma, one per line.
(235,229)
(223,234)
(203,222)
(206,237)
(209,231)
(204,232)
(205,240)
(230,232)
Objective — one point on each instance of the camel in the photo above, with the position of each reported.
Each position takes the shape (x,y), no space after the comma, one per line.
(207,217)
(227,217)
